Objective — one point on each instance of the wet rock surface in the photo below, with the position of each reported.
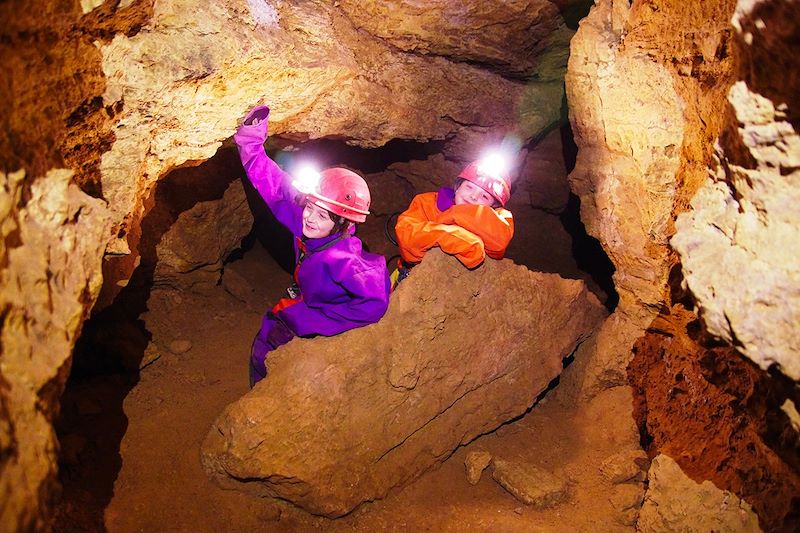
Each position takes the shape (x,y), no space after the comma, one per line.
(447,363)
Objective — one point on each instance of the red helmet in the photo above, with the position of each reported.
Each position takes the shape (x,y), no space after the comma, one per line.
(495,184)
(343,193)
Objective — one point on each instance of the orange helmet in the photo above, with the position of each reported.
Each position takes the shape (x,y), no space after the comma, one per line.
(496,184)
(343,193)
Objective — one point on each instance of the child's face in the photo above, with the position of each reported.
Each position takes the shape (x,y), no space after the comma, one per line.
(470,194)
(317,221)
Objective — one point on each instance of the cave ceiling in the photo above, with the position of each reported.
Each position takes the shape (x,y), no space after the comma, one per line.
(185,80)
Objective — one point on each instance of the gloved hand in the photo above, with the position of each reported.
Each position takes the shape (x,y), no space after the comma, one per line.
(257,115)
(279,334)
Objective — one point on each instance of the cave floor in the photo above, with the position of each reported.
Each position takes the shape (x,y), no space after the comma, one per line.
(160,484)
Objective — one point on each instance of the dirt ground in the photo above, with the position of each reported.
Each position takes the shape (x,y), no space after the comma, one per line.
(131,448)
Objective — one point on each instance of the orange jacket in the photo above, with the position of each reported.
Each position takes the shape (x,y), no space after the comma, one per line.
(469,232)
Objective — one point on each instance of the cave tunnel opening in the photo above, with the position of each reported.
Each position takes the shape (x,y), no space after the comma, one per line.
(131,353)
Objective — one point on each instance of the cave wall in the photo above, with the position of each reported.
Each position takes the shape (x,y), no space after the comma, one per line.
(54,228)
(652,87)
(124,93)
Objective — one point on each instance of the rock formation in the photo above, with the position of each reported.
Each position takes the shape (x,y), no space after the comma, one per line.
(50,249)
(638,169)
(676,503)
(128,94)
(186,80)
(739,246)
(342,420)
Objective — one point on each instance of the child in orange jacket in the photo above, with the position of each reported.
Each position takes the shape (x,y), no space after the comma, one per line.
(467,221)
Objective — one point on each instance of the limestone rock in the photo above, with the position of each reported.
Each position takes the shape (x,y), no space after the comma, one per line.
(51,237)
(531,485)
(625,466)
(676,503)
(523,37)
(203,236)
(739,245)
(476,462)
(629,124)
(342,420)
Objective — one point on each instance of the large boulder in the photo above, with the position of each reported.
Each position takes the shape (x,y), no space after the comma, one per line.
(342,420)
(202,237)
(676,503)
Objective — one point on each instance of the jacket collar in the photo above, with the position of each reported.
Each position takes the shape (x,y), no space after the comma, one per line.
(445,198)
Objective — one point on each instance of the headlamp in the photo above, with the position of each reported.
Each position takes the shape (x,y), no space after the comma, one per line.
(306,179)
(493,164)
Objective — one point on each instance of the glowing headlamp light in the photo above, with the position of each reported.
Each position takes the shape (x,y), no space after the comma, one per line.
(493,164)
(306,179)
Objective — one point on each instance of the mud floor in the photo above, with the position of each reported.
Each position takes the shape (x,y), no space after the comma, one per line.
(131,446)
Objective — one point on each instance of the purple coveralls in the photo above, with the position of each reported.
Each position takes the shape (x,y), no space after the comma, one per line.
(343,287)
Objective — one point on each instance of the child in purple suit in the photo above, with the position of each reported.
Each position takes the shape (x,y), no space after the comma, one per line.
(338,285)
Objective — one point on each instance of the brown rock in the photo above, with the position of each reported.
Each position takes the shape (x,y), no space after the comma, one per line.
(179,346)
(542,182)
(342,420)
(476,462)
(525,37)
(531,485)
(203,236)
(625,466)
(627,496)
(676,503)
(51,244)
(738,244)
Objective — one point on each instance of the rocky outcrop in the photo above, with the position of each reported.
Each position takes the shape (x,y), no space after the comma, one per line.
(342,420)
(50,251)
(699,403)
(525,38)
(202,237)
(738,244)
(676,503)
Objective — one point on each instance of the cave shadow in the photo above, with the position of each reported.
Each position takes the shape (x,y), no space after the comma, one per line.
(109,353)
(588,252)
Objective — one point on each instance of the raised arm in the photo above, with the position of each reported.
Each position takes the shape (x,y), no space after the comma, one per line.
(494,226)
(417,233)
(271,182)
